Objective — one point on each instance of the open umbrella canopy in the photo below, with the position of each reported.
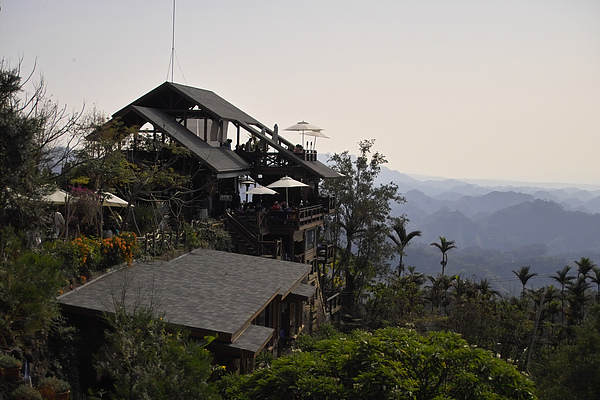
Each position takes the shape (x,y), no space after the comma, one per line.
(58,197)
(286,182)
(246,180)
(303,126)
(261,190)
(316,134)
(110,200)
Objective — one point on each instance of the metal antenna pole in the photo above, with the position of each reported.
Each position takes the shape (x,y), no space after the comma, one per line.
(173,44)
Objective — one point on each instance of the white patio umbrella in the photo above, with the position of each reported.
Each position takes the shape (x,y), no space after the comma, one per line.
(110,200)
(303,127)
(316,134)
(246,180)
(58,197)
(259,191)
(287,182)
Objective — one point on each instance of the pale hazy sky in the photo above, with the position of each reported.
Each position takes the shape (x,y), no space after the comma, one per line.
(490,89)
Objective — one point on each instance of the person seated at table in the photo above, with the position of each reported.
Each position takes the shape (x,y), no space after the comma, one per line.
(276,207)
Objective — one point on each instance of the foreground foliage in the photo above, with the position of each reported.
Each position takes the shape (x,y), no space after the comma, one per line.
(571,371)
(146,359)
(388,363)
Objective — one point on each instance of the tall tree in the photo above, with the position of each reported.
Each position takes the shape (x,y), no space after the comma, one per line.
(438,291)
(596,279)
(362,206)
(444,246)
(524,276)
(563,278)
(584,266)
(152,175)
(577,299)
(35,137)
(401,239)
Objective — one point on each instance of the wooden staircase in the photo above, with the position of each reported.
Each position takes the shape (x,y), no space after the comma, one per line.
(246,241)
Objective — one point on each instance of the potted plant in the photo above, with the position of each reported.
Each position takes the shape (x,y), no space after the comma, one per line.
(25,392)
(53,388)
(11,367)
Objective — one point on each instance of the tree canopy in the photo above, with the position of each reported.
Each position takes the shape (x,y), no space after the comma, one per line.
(35,136)
(388,363)
(361,215)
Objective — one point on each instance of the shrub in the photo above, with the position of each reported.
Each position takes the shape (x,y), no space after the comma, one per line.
(207,235)
(25,392)
(388,363)
(146,358)
(87,251)
(119,249)
(52,385)
(9,362)
(28,286)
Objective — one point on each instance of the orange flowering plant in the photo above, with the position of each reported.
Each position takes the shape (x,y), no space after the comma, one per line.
(84,255)
(119,249)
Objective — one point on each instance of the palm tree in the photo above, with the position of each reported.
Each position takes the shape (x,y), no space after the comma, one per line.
(578,298)
(416,277)
(484,287)
(444,246)
(562,277)
(401,239)
(584,266)
(464,288)
(438,292)
(596,279)
(524,276)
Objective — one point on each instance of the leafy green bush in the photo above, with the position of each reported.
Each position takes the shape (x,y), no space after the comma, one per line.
(145,218)
(28,286)
(388,363)
(570,370)
(9,362)
(53,385)
(25,392)
(147,358)
(121,248)
(207,235)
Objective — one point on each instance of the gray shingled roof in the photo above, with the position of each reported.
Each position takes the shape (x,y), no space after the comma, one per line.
(205,291)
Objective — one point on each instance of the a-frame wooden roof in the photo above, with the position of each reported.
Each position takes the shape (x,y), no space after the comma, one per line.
(176,96)
(156,106)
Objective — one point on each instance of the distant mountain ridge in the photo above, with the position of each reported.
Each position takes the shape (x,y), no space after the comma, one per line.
(498,227)
(502,218)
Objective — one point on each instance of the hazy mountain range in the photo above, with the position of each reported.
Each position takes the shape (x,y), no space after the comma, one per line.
(498,227)
(500,217)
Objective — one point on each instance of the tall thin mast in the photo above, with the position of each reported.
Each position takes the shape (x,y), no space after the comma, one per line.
(173,44)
